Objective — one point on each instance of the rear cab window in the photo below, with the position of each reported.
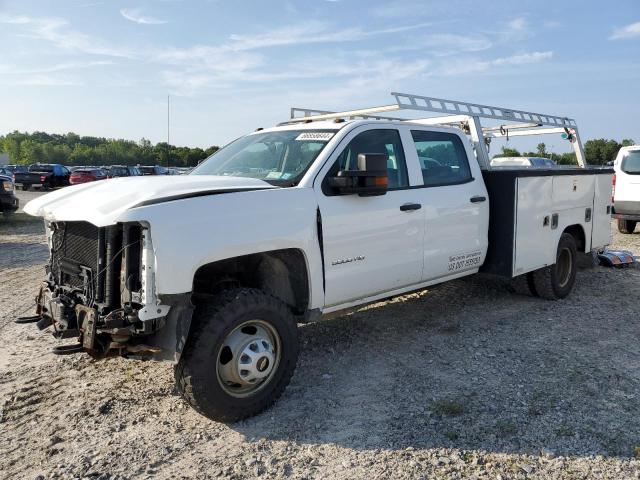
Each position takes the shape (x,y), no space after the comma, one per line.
(443,158)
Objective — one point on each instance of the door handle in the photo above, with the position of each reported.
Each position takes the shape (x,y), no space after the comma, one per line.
(408,207)
(478,199)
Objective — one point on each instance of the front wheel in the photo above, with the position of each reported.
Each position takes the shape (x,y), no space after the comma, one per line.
(556,281)
(626,226)
(240,355)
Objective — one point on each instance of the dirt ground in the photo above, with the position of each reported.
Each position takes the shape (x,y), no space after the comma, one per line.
(467,380)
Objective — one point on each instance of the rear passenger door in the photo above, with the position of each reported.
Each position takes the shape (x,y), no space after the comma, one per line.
(455,203)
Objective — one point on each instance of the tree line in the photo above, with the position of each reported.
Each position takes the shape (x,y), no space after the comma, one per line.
(72,149)
(597,152)
(75,150)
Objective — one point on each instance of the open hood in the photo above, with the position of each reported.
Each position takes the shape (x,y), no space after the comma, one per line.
(101,202)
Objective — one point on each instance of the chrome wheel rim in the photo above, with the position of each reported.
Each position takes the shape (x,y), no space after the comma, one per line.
(248,358)
(563,267)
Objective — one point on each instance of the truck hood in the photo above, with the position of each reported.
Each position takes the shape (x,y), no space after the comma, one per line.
(103,201)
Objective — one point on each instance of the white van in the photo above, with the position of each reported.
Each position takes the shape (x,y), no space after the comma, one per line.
(626,188)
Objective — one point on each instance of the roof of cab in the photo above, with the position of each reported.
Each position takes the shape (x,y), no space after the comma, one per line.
(333,125)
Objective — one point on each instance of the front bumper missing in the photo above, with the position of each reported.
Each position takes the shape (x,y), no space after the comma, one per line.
(161,330)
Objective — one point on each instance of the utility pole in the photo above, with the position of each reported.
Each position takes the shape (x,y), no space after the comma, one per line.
(168,148)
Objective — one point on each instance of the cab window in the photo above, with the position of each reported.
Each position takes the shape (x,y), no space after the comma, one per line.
(376,141)
(443,159)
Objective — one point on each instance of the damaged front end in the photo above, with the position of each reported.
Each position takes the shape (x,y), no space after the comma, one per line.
(100,288)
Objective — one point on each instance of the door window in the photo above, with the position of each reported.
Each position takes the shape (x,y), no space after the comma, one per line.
(443,158)
(375,141)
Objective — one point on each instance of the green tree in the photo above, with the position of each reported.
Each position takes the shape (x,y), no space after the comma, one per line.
(508,152)
(542,150)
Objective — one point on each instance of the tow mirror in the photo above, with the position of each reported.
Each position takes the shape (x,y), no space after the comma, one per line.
(370,179)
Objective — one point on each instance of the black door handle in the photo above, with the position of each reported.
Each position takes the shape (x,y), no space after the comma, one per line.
(478,199)
(407,207)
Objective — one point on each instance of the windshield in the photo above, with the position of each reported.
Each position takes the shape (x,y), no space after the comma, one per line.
(280,158)
(631,163)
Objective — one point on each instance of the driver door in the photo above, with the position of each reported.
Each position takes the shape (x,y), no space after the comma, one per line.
(372,244)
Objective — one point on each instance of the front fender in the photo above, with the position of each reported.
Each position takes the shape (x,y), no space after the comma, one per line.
(189,233)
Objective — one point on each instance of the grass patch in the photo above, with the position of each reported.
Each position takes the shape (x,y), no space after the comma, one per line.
(540,403)
(448,407)
(565,431)
(506,428)
(451,435)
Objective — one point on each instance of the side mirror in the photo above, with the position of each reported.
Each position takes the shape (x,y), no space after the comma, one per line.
(370,179)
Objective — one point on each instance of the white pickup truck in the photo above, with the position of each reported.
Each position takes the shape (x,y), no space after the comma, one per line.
(626,192)
(319,214)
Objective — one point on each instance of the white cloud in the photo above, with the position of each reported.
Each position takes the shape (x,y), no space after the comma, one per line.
(442,44)
(532,57)
(14,19)
(58,67)
(629,31)
(135,15)
(56,31)
(43,80)
(474,66)
(309,32)
(187,82)
(517,24)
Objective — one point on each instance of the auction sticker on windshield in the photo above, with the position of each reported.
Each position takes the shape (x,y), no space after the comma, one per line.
(322,136)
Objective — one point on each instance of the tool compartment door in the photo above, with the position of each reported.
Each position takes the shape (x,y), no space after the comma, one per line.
(534,240)
(601,233)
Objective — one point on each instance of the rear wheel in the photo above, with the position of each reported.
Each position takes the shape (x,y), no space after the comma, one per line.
(556,281)
(626,226)
(240,355)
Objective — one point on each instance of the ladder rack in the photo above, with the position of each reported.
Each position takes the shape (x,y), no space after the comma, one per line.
(462,114)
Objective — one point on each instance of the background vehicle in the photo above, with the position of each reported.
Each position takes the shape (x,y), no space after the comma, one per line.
(626,188)
(84,175)
(45,176)
(533,162)
(314,216)
(153,170)
(16,168)
(8,201)
(123,171)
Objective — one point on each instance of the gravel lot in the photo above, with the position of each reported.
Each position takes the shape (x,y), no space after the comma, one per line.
(467,380)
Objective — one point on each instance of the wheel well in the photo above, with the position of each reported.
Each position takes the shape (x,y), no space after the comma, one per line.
(281,273)
(578,234)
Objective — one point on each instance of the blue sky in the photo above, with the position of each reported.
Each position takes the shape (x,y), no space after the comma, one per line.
(105,67)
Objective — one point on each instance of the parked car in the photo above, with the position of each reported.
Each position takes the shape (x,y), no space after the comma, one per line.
(153,170)
(214,270)
(17,168)
(43,175)
(84,175)
(8,200)
(532,162)
(626,188)
(123,171)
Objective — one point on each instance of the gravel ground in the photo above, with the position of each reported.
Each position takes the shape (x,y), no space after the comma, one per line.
(467,380)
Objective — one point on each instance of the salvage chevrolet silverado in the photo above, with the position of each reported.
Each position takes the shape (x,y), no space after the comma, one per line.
(322,213)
